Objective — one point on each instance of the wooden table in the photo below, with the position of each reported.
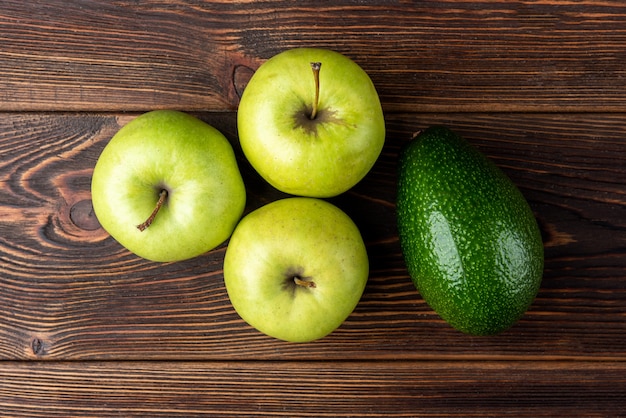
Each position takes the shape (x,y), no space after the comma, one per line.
(88,329)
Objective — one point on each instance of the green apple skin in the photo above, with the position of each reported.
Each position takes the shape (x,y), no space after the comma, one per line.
(296,237)
(193,161)
(322,157)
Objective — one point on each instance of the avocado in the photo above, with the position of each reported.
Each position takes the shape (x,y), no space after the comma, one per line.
(469,239)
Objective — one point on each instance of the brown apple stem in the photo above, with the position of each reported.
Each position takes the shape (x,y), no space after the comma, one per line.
(315,66)
(160,202)
(303,283)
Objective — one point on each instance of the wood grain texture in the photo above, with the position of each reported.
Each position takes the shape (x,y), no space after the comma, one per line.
(307,389)
(88,329)
(70,292)
(423,56)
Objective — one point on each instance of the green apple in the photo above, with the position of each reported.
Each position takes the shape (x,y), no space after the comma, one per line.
(310,122)
(296,268)
(167,187)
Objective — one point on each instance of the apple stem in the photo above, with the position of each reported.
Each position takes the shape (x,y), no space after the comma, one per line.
(303,283)
(315,66)
(160,202)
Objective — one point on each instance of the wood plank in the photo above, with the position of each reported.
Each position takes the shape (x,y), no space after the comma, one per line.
(305,389)
(439,55)
(68,291)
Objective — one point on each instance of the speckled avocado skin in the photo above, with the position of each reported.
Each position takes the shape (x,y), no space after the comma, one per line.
(469,238)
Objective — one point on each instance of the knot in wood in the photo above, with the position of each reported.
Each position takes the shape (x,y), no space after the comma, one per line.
(37,346)
(83,216)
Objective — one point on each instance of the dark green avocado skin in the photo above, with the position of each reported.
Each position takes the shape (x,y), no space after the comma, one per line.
(470,241)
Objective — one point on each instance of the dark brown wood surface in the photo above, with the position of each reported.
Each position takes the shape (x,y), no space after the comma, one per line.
(320,389)
(88,329)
